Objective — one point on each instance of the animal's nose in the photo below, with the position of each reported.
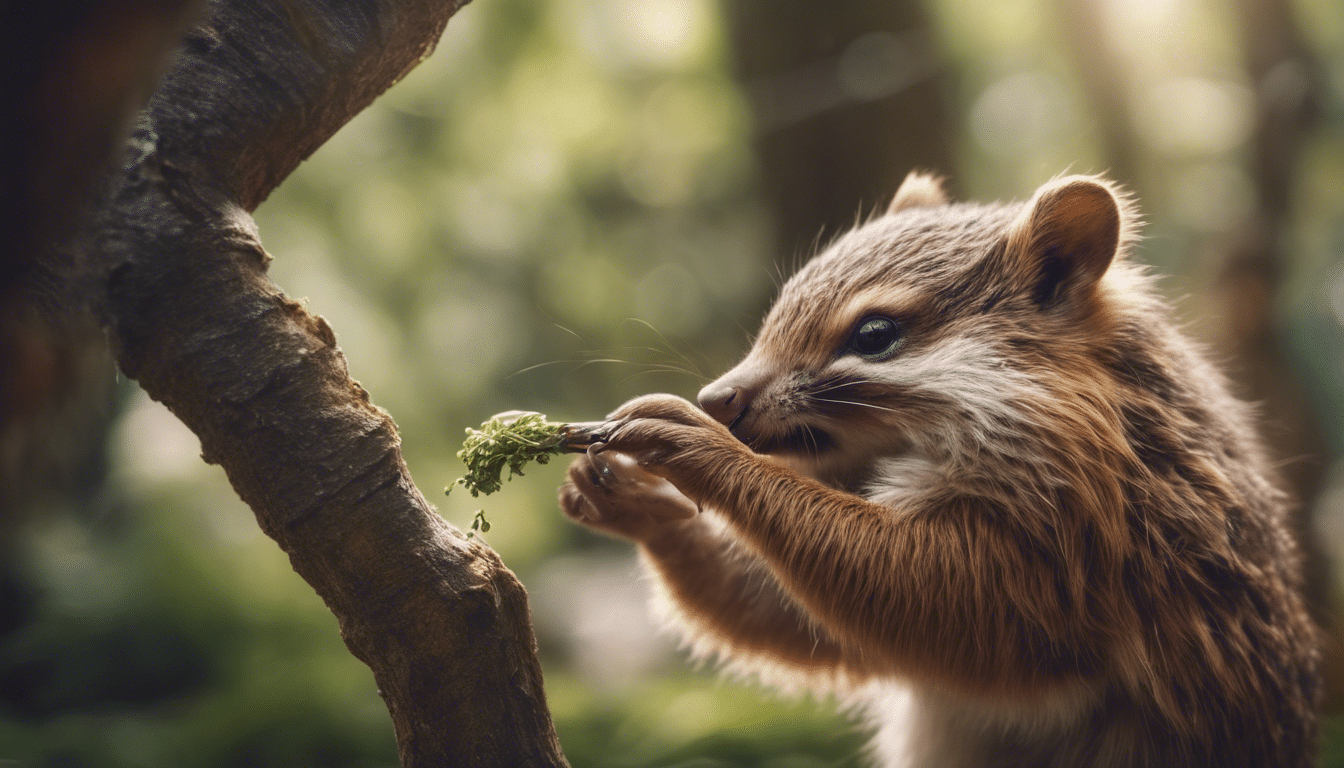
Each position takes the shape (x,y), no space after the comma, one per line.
(725,402)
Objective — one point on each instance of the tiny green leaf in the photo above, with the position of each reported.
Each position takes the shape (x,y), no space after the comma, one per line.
(508,440)
(478,523)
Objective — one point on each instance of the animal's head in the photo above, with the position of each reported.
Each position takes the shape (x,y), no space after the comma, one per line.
(930,329)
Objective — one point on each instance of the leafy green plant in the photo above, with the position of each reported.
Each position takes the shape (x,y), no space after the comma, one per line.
(509,440)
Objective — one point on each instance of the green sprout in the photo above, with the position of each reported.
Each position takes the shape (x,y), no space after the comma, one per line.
(508,440)
(478,523)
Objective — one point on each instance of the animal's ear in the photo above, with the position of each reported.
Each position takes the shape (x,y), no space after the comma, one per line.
(1066,237)
(919,190)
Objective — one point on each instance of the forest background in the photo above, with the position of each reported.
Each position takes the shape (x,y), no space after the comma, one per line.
(573,202)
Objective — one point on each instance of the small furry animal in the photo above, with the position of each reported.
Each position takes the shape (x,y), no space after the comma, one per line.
(971,479)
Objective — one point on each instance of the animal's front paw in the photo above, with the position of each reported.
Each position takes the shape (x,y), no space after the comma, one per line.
(608,491)
(668,408)
(667,435)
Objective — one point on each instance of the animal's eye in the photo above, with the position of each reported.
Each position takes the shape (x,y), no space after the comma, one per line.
(876,338)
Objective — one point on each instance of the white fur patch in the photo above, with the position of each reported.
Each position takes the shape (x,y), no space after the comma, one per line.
(895,480)
(967,372)
(921,728)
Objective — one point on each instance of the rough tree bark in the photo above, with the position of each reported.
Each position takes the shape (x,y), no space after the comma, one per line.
(179,278)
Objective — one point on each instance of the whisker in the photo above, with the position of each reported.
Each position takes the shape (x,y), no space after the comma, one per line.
(677,353)
(812,438)
(856,402)
(570,331)
(580,364)
(637,374)
(538,365)
(841,385)
(683,365)
(655,368)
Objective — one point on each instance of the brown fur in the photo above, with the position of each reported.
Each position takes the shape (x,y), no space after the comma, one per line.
(1035,531)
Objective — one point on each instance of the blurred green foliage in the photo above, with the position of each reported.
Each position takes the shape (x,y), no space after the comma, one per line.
(556,212)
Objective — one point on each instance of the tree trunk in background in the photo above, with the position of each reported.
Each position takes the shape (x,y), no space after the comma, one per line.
(179,280)
(845,105)
(1102,73)
(1288,84)
(76,71)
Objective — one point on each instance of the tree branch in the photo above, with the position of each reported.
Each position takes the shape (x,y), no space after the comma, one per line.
(179,280)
